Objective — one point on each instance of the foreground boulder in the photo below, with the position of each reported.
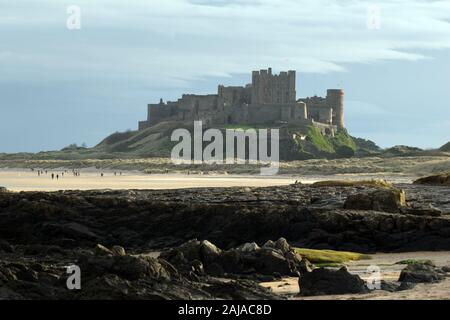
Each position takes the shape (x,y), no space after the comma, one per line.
(394,286)
(422,273)
(122,276)
(438,180)
(272,259)
(113,274)
(323,281)
(386,200)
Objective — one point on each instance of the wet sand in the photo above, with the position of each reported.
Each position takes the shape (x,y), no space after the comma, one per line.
(90,179)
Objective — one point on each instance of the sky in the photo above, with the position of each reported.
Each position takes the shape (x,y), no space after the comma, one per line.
(60,85)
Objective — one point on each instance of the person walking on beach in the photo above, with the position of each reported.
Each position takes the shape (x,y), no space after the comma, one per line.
(57,177)
(53,176)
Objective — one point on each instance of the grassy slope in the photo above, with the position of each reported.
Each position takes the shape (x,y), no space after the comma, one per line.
(317,145)
(319,141)
(445,147)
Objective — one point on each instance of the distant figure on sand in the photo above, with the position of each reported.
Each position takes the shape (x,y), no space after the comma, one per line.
(53,176)
(57,177)
(101,174)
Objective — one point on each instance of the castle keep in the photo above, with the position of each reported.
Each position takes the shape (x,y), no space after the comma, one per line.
(269,100)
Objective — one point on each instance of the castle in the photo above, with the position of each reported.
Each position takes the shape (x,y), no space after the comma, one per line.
(269,100)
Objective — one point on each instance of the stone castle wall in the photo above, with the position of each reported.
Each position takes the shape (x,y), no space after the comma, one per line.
(269,99)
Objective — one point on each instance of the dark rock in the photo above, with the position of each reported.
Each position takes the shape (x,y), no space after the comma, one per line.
(127,267)
(305,266)
(323,281)
(267,261)
(118,251)
(393,286)
(446,269)
(406,286)
(71,230)
(390,286)
(240,290)
(274,257)
(102,250)
(421,273)
(44,250)
(386,200)
(5,246)
(423,211)
(249,247)
(439,180)
(209,252)
(282,245)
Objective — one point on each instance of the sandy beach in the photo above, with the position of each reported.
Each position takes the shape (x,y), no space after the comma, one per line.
(389,271)
(91,179)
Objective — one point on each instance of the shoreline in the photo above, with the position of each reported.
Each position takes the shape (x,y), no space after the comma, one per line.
(92,179)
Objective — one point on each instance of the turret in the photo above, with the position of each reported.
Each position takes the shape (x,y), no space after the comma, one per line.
(335,100)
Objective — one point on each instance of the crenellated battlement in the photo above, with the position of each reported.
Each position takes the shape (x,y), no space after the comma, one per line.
(269,99)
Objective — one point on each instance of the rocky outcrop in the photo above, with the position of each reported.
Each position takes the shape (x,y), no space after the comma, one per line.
(272,260)
(385,200)
(323,281)
(312,217)
(422,273)
(41,233)
(394,286)
(108,273)
(436,180)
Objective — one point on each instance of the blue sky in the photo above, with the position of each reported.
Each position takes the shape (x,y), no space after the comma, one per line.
(59,86)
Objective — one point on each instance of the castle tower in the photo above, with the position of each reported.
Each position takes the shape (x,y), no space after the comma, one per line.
(268,88)
(335,100)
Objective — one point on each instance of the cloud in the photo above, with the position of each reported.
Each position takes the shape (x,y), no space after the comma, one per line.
(171,42)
